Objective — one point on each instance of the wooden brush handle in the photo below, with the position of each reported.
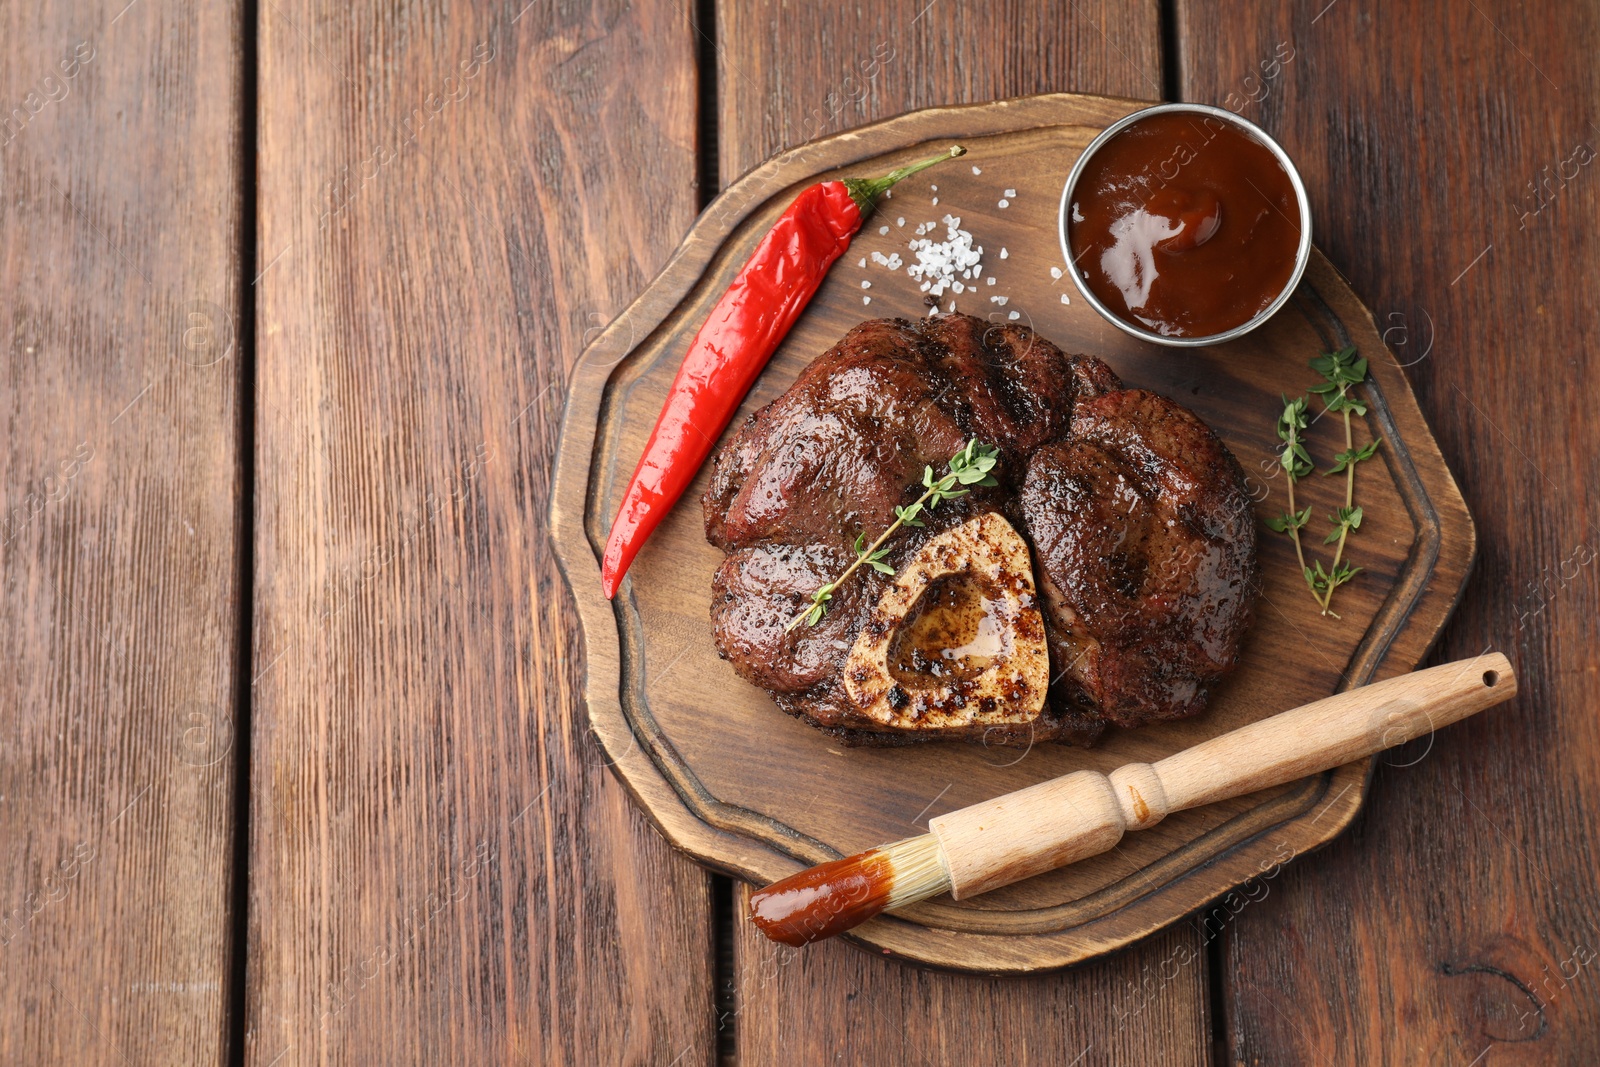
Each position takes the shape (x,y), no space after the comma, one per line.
(1069,818)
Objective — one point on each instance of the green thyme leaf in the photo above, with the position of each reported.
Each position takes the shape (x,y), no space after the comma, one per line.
(1340,371)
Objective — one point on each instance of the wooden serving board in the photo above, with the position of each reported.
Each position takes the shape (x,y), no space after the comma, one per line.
(746,789)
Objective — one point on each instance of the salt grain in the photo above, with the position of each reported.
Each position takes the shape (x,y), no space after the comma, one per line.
(866,300)
(901,221)
(1055,272)
(975,170)
(939,264)
(936,200)
(883,231)
(865,284)
(1065,299)
(1014,316)
(863,262)
(1011,192)
(990,279)
(1005,203)
(1004,254)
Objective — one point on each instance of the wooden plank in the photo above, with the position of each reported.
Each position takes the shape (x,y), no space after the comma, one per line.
(832,1002)
(443,869)
(120,517)
(1460,923)
(860,63)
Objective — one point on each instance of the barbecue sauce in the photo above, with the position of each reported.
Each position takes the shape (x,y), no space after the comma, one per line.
(1185,225)
(822,901)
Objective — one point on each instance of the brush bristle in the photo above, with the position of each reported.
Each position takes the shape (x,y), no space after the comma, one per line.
(919,870)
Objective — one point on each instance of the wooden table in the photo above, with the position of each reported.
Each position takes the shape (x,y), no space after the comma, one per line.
(292,769)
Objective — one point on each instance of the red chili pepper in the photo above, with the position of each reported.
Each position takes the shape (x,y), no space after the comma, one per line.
(733,346)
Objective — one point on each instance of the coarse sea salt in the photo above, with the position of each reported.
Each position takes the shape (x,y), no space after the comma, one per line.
(975,170)
(1005,203)
(940,264)
(883,231)
(1011,192)
(1004,254)
(1055,272)
(1014,316)
(1065,299)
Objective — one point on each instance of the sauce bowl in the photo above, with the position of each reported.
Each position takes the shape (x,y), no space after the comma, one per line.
(1203,112)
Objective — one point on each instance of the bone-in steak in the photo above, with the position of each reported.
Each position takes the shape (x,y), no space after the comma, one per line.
(831,458)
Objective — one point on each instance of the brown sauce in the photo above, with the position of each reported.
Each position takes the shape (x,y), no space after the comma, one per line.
(1185,225)
(822,901)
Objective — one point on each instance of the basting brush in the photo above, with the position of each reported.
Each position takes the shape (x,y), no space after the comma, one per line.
(1066,819)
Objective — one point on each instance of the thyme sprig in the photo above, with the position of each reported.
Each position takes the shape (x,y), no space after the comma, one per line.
(1341,372)
(971,466)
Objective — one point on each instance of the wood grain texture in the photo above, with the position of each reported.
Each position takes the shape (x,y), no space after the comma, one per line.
(831,1003)
(789,73)
(120,517)
(442,868)
(1460,922)
(762,795)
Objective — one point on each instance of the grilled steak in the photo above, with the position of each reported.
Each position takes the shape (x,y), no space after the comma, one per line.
(1145,542)
(952,645)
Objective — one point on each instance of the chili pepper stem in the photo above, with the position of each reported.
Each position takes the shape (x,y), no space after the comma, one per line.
(865,191)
